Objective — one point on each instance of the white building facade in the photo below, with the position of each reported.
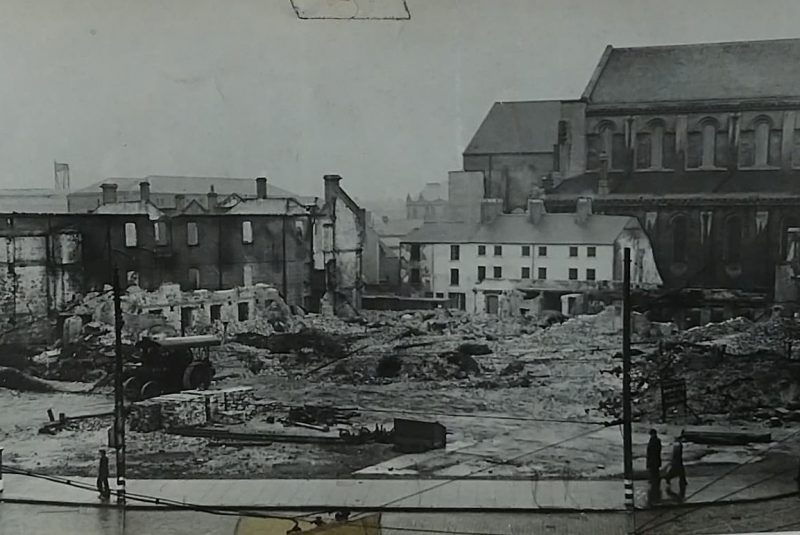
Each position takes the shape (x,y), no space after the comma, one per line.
(469,263)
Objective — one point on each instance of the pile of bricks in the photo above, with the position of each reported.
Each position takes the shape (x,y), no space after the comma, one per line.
(191,408)
(145,416)
(182,410)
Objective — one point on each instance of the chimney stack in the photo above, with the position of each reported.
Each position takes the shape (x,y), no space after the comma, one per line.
(144,191)
(261,187)
(536,210)
(212,199)
(490,209)
(180,202)
(583,210)
(109,193)
(331,187)
(602,183)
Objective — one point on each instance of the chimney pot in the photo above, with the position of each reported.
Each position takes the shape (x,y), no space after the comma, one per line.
(583,210)
(331,187)
(261,187)
(212,199)
(109,193)
(490,209)
(536,210)
(144,191)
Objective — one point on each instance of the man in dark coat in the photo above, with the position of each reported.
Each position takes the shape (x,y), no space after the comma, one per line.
(102,476)
(654,465)
(676,468)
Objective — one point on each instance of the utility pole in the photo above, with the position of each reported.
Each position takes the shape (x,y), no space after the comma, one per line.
(119,407)
(627,439)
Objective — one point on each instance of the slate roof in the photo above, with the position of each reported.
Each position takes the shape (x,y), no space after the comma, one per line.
(188,185)
(528,126)
(395,227)
(660,183)
(554,229)
(130,208)
(708,71)
(269,206)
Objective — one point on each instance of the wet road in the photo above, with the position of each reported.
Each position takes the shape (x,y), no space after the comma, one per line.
(41,520)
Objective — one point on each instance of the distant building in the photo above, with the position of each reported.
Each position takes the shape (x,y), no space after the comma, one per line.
(701,143)
(38,200)
(475,261)
(382,253)
(429,205)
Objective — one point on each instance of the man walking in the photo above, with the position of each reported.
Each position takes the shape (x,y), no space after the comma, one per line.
(102,477)
(676,468)
(654,465)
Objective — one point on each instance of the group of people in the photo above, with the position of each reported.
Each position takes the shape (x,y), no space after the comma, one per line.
(675,468)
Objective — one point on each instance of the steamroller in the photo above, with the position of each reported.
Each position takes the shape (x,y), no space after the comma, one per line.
(169,364)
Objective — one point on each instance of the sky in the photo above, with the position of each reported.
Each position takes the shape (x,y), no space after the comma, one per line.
(243,88)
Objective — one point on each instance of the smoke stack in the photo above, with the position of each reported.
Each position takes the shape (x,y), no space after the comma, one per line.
(144,191)
(212,199)
(109,193)
(536,210)
(602,184)
(583,210)
(261,187)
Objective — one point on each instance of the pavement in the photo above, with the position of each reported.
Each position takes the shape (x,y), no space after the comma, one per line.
(395,494)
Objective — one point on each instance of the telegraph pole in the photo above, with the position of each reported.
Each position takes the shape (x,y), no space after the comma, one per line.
(119,407)
(627,439)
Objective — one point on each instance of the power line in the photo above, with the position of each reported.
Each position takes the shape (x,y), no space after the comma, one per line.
(644,527)
(144,498)
(478,471)
(485,416)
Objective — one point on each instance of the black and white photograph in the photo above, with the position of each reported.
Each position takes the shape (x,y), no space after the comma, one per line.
(399,267)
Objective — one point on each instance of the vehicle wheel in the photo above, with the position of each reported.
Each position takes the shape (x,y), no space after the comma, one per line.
(151,389)
(197,376)
(132,388)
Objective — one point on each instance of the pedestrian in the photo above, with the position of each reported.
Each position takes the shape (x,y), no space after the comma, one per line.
(102,476)
(654,465)
(676,467)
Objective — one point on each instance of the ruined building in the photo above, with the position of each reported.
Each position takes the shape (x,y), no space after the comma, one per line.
(701,143)
(304,251)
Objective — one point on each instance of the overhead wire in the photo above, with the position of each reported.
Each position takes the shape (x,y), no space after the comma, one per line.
(480,470)
(645,529)
(232,512)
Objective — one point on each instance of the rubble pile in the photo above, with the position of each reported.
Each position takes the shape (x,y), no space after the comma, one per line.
(736,368)
(740,336)
(87,359)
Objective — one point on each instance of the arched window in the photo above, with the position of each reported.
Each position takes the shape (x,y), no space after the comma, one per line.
(733,239)
(657,146)
(709,144)
(762,143)
(679,238)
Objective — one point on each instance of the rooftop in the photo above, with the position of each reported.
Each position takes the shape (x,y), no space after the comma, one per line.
(187,185)
(528,126)
(556,229)
(705,71)
(130,208)
(269,206)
